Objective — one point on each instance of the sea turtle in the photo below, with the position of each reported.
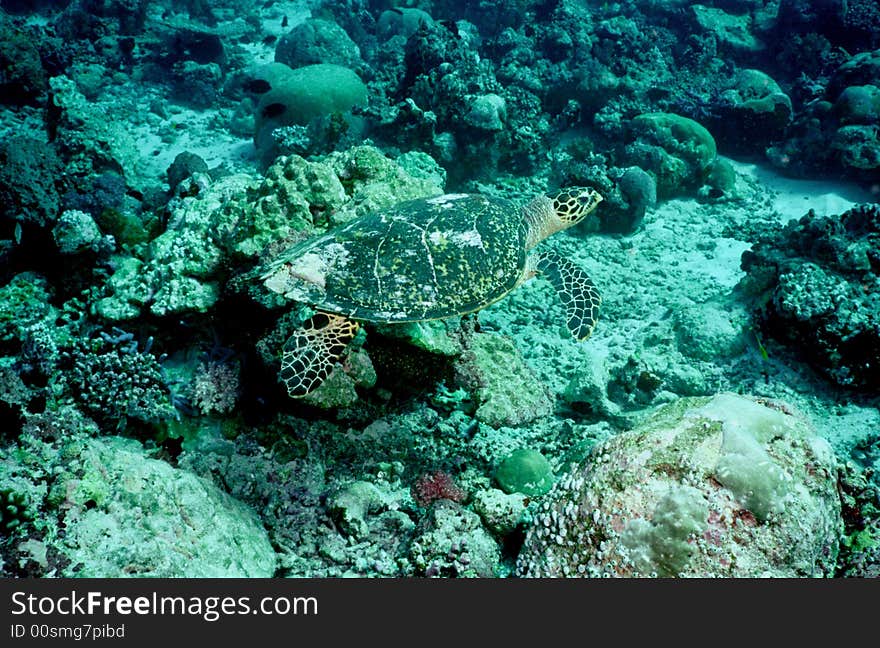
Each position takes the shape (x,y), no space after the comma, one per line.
(424,259)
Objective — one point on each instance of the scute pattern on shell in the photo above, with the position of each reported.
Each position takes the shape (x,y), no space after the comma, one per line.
(422,259)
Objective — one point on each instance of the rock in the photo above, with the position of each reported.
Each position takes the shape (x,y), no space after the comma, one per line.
(709,331)
(720,180)
(501,512)
(75,231)
(183,43)
(587,389)
(402,21)
(734,32)
(487,112)
(22,78)
(351,506)
(197,84)
(507,391)
(422,166)
(90,138)
(726,486)
(625,205)
(317,41)
(858,105)
(185,164)
(113,511)
(29,172)
(450,541)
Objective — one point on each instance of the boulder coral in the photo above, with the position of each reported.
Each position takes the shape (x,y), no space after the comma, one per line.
(724,486)
(752,113)
(676,150)
(304,94)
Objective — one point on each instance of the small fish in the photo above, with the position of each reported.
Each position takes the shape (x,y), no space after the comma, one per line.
(451,25)
(270,39)
(284,22)
(257,86)
(274,110)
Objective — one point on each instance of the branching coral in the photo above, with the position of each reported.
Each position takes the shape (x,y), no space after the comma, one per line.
(115,381)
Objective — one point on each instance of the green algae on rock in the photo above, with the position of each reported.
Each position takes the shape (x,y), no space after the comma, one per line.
(525,471)
(722,486)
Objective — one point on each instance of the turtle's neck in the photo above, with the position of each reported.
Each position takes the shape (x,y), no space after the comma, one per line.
(541,220)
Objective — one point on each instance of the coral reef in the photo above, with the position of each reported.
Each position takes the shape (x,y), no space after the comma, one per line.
(22,76)
(155,156)
(837,133)
(816,284)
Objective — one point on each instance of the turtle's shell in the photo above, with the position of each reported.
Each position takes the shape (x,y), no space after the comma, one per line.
(421,259)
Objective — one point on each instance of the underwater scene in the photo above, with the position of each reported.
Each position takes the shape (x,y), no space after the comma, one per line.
(439,288)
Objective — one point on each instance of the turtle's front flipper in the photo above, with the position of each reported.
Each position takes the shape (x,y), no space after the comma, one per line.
(311,352)
(578,293)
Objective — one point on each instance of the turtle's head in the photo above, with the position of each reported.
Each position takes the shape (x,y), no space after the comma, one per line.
(574,203)
(547,215)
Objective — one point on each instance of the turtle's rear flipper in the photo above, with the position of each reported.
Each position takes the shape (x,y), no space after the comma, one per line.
(310,354)
(578,293)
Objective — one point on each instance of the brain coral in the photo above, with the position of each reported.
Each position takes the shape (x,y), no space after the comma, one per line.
(722,486)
